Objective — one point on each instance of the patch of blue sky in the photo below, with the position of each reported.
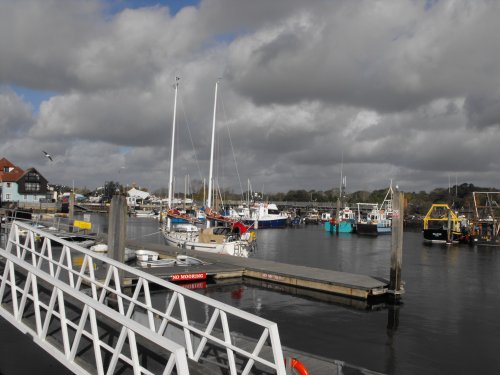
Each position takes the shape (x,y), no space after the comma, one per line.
(229,36)
(429,4)
(33,96)
(116,6)
(125,149)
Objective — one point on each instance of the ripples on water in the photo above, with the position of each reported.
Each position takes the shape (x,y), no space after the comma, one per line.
(448,322)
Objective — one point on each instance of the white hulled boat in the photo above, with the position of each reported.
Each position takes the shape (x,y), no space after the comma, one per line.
(266,215)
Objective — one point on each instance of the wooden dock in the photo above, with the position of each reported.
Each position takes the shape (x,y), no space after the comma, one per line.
(225,266)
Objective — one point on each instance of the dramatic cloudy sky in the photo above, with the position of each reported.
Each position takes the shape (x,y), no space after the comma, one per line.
(407,90)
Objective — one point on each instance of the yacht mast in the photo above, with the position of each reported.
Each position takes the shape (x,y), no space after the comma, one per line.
(210,177)
(170,187)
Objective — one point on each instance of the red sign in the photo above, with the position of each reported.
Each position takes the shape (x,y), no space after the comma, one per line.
(188,276)
(198,285)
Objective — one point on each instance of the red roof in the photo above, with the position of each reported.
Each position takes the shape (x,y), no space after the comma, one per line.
(9,172)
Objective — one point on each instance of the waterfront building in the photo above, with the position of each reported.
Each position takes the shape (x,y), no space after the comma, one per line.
(21,186)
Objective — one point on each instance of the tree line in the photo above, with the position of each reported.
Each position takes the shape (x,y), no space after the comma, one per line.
(418,203)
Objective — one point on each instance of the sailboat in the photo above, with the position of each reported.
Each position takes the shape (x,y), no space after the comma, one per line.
(233,239)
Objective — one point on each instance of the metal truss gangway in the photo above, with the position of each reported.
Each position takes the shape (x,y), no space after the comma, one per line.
(49,290)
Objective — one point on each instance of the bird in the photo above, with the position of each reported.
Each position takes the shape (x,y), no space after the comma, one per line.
(48,156)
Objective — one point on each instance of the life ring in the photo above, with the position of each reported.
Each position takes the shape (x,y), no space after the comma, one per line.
(298,366)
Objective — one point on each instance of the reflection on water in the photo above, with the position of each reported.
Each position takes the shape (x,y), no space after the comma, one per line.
(447,322)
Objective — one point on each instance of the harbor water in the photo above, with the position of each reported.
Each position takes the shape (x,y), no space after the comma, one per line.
(446,323)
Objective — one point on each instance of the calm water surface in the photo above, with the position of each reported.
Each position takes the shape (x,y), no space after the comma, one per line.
(447,324)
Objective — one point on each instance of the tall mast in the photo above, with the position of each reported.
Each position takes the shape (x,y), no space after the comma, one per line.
(341,179)
(210,176)
(204,191)
(170,187)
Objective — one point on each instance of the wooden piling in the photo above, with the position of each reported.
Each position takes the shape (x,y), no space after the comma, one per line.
(397,244)
(448,230)
(338,217)
(71,210)
(117,234)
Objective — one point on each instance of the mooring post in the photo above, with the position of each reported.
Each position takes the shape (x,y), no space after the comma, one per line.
(117,230)
(338,217)
(448,231)
(71,210)
(397,244)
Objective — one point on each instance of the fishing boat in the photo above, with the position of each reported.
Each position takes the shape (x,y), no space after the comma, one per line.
(378,220)
(486,224)
(312,217)
(325,216)
(442,225)
(232,238)
(345,219)
(345,222)
(373,223)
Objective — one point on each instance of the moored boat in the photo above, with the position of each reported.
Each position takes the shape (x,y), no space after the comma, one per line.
(146,255)
(373,222)
(181,260)
(325,216)
(265,215)
(345,223)
(153,214)
(231,239)
(102,248)
(312,217)
(442,225)
(486,223)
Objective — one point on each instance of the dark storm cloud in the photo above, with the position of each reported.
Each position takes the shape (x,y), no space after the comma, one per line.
(483,111)
(399,89)
(15,115)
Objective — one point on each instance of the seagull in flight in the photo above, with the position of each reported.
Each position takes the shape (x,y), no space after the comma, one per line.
(47,155)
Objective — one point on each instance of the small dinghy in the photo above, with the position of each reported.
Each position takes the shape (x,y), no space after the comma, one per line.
(186,260)
(146,255)
(157,263)
(180,260)
(102,248)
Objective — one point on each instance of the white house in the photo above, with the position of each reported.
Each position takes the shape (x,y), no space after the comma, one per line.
(135,196)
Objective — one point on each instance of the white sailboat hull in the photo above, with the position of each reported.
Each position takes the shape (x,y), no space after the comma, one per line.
(191,241)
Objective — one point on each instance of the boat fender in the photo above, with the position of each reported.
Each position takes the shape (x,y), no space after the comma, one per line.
(298,367)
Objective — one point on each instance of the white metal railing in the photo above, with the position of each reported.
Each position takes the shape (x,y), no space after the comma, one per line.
(44,279)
